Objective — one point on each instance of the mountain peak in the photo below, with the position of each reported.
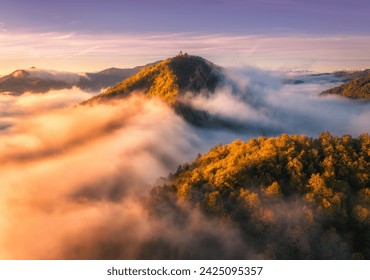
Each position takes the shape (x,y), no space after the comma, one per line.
(20,73)
(168,79)
(195,73)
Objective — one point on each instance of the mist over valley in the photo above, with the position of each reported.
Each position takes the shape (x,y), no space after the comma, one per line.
(183,159)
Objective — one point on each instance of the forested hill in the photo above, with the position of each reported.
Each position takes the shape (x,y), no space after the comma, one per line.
(292,197)
(168,80)
(357,88)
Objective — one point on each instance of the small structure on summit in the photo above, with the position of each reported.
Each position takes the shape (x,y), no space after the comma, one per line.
(182,54)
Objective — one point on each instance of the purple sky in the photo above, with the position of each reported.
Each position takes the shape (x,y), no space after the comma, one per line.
(347,21)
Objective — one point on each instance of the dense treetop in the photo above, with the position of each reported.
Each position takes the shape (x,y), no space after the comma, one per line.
(293,196)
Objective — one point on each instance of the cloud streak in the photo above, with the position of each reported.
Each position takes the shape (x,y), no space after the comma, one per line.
(67,77)
(98,51)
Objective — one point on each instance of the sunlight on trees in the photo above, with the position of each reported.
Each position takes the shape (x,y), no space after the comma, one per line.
(257,183)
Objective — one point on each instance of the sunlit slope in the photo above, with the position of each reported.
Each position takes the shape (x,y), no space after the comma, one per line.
(168,80)
(291,196)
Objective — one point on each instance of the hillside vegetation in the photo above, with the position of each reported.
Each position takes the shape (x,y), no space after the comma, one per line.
(292,197)
(168,80)
(358,88)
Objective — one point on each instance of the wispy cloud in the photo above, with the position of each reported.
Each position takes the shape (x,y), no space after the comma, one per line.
(2,27)
(79,52)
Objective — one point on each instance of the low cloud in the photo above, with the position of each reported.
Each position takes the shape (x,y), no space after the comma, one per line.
(62,164)
(75,180)
(264,103)
(53,75)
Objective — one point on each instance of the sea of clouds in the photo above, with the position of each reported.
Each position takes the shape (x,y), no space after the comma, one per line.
(75,179)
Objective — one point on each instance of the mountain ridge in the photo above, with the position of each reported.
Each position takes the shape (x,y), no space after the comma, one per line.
(41,81)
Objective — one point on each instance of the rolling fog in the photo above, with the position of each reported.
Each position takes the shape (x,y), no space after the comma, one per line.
(74,179)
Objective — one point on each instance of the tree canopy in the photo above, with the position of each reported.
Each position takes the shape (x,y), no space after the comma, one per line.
(293,196)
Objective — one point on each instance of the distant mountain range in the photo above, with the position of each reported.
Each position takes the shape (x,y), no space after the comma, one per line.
(41,81)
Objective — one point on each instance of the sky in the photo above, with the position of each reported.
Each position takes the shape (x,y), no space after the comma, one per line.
(90,35)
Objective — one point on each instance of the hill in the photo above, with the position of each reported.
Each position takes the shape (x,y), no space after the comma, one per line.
(172,80)
(292,197)
(168,79)
(356,88)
